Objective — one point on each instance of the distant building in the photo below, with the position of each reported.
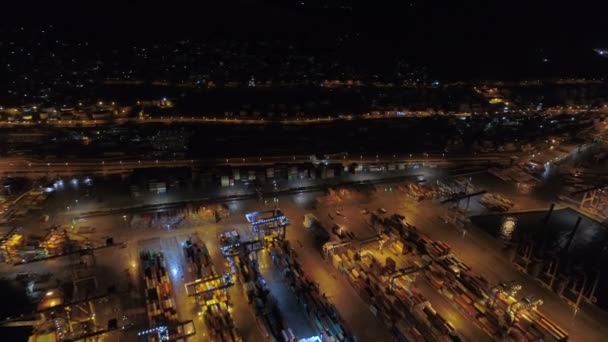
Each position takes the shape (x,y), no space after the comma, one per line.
(26,137)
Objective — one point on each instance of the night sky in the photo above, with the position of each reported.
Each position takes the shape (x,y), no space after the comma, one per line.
(454,39)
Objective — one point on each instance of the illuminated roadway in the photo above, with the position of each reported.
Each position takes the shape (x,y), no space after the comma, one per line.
(24,166)
(175,119)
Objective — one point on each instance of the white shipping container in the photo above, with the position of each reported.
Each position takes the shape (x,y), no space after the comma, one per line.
(85,230)
(157,187)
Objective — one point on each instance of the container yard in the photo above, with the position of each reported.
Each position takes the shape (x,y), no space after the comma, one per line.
(160,304)
(392,296)
(278,291)
(495,310)
(56,241)
(210,291)
(319,311)
(269,317)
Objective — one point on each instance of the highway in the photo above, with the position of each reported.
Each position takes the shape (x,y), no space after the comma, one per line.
(176,119)
(238,120)
(29,167)
(203,119)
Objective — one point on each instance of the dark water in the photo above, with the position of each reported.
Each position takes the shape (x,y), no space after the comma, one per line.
(14,302)
(588,250)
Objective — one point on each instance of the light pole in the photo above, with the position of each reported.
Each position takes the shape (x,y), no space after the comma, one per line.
(580,294)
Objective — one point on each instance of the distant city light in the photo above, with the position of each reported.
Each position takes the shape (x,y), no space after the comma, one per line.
(508,226)
(602,52)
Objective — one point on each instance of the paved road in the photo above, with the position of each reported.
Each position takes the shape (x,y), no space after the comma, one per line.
(13,166)
(293,312)
(176,119)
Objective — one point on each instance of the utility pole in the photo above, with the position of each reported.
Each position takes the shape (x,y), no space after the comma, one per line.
(572,234)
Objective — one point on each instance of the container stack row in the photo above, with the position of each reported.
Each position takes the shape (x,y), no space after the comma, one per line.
(211,292)
(160,304)
(393,298)
(269,317)
(321,313)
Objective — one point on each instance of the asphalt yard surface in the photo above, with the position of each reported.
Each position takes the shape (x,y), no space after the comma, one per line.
(353,310)
(477,249)
(291,309)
